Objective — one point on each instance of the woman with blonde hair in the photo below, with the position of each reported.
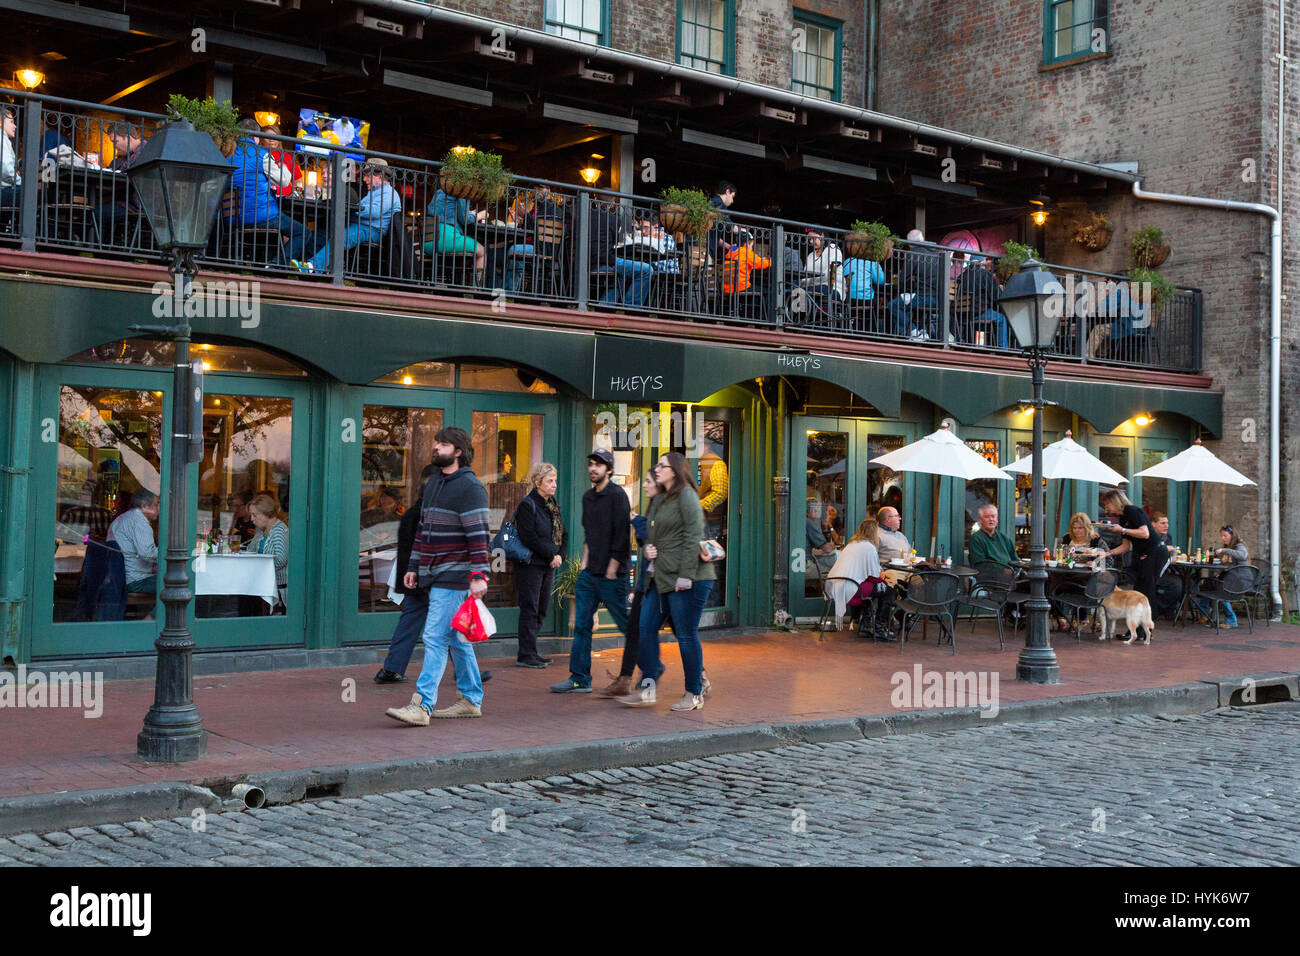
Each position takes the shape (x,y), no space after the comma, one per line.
(541,530)
(272,538)
(1081,533)
(858,561)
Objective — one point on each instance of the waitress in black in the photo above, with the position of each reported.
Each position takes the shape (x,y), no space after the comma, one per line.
(1140,537)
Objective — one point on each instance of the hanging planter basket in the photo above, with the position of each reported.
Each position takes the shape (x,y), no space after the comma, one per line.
(860,246)
(1094,240)
(1155,257)
(469,190)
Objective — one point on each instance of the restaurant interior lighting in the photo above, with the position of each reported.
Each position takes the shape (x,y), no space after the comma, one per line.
(266,118)
(407,380)
(1143,420)
(590,175)
(464,150)
(1040,216)
(29,79)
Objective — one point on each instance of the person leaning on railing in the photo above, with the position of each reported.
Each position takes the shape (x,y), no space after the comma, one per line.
(375,214)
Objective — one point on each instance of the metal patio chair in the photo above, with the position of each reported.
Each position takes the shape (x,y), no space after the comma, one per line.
(930,594)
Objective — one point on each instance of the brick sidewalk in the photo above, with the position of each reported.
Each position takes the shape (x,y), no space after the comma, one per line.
(284,720)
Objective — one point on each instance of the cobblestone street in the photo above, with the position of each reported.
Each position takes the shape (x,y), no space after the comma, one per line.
(1216,789)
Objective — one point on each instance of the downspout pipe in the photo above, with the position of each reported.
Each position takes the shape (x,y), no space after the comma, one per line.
(1275,364)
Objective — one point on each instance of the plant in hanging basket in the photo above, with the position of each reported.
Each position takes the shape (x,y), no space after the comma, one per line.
(1012,259)
(686,211)
(218,120)
(869,240)
(474,176)
(1161,289)
(1094,232)
(1148,249)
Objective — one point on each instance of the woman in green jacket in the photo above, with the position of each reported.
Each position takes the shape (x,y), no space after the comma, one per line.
(681,582)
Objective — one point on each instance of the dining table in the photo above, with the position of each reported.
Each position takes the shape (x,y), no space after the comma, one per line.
(240,573)
(1192,571)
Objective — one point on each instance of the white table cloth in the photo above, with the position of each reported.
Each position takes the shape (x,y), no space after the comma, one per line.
(236,574)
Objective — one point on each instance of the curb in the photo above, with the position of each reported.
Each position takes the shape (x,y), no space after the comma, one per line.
(46,813)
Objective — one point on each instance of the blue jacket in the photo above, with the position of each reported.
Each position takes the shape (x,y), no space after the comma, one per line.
(256,204)
(451,211)
(377,208)
(862,275)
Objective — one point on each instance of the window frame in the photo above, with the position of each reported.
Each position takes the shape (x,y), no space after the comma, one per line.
(728,38)
(811,19)
(603,39)
(1101,19)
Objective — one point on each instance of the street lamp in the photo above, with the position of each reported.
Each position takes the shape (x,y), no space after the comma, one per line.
(1033,301)
(179,178)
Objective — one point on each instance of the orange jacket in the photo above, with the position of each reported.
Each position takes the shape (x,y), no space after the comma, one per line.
(737,266)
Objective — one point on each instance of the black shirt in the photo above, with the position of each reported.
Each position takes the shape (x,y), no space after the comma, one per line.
(606,521)
(1135,517)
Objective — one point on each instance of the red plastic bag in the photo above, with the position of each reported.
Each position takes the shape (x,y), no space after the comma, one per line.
(467,621)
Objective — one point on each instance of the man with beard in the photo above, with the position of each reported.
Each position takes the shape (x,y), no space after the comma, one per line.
(607,523)
(449,556)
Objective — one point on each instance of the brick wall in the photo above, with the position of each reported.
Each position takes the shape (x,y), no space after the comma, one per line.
(1187,89)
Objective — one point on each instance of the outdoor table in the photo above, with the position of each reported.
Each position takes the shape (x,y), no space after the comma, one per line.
(252,574)
(1187,570)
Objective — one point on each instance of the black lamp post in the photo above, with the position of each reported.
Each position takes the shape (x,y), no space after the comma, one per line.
(179,178)
(1033,301)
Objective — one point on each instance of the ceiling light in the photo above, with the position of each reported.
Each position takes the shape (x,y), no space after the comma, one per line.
(29,79)
(590,175)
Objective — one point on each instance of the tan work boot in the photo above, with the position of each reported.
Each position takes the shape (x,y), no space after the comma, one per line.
(643,696)
(620,687)
(707,687)
(690,702)
(413,713)
(462,708)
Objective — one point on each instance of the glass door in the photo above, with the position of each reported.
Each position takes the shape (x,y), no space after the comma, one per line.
(972,496)
(826,504)
(1161,494)
(714,461)
(102,440)
(249,497)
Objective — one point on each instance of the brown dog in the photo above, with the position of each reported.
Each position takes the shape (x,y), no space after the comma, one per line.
(1130,607)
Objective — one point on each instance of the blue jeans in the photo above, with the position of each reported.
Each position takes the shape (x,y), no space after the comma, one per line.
(352,237)
(1229,615)
(588,594)
(633,286)
(514,266)
(686,608)
(302,241)
(439,641)
(415,608)
(999,320)
(902,312)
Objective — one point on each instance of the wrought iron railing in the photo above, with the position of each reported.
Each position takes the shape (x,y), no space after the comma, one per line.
(358,216)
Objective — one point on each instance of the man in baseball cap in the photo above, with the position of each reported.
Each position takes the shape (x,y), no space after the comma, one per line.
(606,524)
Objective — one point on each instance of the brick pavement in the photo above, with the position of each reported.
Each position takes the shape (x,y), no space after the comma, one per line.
(281,720)
(1138,790)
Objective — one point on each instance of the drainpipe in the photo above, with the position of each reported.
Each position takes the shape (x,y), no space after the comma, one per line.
(1275,351)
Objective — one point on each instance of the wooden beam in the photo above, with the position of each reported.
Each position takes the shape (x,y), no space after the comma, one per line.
(474,46)
(176,64)
(582,71)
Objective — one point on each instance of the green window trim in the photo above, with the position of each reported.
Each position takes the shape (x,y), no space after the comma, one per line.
(557,26)
(1072,38)
(726,66)
(821,25)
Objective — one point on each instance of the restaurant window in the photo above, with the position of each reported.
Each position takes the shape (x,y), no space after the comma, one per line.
(109,449)
(816,67)
(1074,28)
(1155,491)
(826,506)
(585,20)
(706,32)
(981,491)
(425,374)
(1024,487)
(713,477)
(884,485)
(153,353)
(397,444)
(506,446)
(244,484)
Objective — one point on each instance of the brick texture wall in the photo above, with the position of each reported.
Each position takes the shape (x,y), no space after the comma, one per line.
(1188,90)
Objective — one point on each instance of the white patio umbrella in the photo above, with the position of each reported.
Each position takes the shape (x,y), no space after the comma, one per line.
(1194,464)
(1069,460)
(941,453)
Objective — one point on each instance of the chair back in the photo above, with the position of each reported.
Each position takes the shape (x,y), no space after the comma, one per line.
(1100,585)
(933,588)
(999,575)
(230,205)
(1240,579)
(548,232)
(838,577)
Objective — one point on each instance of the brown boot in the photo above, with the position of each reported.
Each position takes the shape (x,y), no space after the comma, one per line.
(620,687)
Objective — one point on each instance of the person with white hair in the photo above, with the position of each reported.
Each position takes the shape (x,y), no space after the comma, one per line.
(921,282)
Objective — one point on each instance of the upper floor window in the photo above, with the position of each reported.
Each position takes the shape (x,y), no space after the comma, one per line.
(706,35)
(816,67)
(586,20)
(1074,29)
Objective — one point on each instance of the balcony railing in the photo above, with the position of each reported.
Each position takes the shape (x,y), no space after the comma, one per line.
(350,219)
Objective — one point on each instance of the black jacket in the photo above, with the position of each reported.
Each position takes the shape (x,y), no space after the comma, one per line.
(923,273)
(982,286)
(406,528)
(533,520)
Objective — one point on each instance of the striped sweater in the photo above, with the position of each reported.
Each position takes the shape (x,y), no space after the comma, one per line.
(452,541)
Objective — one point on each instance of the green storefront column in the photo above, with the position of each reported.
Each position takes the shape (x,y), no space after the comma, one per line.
(17,384)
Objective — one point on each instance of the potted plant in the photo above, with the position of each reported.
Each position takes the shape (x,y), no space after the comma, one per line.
(1148,249)
(470,174)
(1094,232)
(686,212)
(1162,290)
(218,120)
(1013,257)
(869,240)
(564,584)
